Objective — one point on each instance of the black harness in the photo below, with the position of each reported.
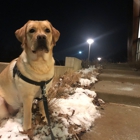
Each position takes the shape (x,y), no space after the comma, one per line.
(42,85)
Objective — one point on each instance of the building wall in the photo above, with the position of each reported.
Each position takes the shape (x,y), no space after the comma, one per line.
(136,7)
(130,31)
(133,30)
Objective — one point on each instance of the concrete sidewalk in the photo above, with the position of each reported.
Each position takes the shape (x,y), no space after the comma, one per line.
(120,77)
(118,92)
(117,122)
(118,85)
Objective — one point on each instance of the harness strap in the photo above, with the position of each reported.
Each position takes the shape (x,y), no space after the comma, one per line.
(16,71)
(42,85)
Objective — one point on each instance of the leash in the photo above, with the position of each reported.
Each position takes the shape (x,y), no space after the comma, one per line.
(45,102)
(42,85)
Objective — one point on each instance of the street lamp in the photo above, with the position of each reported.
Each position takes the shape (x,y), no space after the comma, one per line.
(99,58)
(89,41)
(80,52)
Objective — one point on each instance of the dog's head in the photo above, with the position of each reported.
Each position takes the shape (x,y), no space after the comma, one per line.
(38,36)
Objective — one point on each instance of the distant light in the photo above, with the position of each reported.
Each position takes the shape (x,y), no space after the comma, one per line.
(80,52)
(99,58)
(90,41)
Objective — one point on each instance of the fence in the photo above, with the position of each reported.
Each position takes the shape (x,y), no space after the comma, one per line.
(71,63)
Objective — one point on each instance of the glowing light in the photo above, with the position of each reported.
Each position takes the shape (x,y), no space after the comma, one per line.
(90,41)
(80,52)
(99,58)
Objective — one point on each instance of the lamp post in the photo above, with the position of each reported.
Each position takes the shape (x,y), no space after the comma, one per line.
(89,41)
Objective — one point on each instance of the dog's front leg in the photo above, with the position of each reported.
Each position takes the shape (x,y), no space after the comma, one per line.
(27,113)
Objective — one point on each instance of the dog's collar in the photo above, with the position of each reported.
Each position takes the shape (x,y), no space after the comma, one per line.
(41,83)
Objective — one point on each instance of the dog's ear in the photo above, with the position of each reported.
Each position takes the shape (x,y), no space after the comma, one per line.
(20,33)
(56,35)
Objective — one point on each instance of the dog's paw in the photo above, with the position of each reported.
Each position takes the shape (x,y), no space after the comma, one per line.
(29,132)
(44,120)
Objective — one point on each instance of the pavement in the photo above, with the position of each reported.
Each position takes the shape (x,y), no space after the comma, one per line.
(119,87)
(118,92)
(118,83)
(117,122)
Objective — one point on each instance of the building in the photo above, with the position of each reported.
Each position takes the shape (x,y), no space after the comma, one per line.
(133,45)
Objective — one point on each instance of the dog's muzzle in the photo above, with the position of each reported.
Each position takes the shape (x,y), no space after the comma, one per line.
(41,44)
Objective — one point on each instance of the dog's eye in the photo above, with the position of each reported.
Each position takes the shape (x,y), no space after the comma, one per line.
(32,30)
(47,30)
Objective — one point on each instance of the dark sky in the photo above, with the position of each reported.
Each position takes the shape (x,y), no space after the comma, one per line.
(106,21)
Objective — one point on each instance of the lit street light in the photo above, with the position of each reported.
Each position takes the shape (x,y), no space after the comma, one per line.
(89,41)
(99,58)
(80,52)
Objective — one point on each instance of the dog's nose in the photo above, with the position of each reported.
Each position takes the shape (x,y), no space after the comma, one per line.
(41,37)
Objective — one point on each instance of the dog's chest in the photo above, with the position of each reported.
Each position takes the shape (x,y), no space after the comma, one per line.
(42,69)
(27,89)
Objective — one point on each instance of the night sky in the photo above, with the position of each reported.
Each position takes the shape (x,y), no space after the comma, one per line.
(106,21)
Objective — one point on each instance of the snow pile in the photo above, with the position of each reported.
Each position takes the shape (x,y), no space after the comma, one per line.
(9,129)
(77,112)
(72,113)
(88,76)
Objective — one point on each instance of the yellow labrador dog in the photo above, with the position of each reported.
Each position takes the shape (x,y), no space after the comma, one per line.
(36,63)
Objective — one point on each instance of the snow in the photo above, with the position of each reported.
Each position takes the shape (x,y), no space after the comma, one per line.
(10,128)
(70,116)
(126,88)
(85,82)
(85,71)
